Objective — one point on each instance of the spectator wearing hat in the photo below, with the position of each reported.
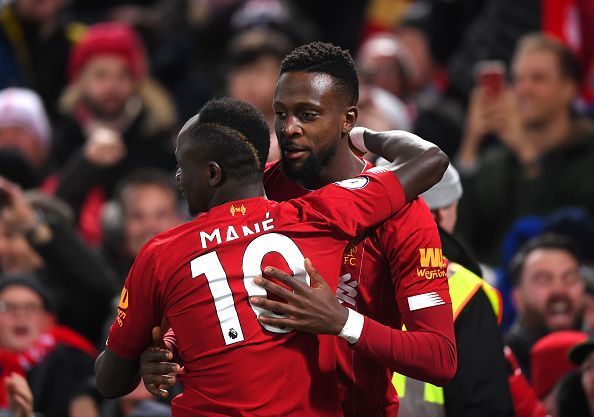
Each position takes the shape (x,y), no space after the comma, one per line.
(548,293)
(53,358)
(25,128)
(116,119)
(550,362)
(36,237)
(480,386)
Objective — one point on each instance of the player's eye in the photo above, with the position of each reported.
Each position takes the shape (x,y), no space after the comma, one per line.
(308,115)
(280,114)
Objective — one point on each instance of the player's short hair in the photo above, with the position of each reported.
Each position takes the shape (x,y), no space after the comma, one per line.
(234,134)
(569,65)
(550,241)
(147,177)
(325,58)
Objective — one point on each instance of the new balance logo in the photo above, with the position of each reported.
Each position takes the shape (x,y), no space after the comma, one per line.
(346,292)
(430,299)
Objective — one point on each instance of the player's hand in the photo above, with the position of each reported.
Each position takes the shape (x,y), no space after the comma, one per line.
(156,369)
(312,309)
(20,398)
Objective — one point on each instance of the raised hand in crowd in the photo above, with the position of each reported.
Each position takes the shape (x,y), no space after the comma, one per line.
(15,212)
(20,398)
(104,147)
(495,114)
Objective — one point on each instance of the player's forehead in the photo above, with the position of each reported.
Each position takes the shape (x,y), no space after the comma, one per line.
(299,87)
(183,142)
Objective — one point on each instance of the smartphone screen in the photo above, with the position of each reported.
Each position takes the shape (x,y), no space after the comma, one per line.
(490,76)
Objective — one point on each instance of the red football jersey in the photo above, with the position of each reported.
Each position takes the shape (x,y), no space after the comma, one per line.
(395,269)
(199,276)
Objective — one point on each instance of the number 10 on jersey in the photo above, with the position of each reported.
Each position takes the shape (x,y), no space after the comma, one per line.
(210,266)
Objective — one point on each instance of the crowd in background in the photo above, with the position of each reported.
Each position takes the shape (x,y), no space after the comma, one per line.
(93,93)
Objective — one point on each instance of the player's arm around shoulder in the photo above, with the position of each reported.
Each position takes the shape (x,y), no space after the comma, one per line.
(411,245)
(418,164)
(116,376)
(139,310)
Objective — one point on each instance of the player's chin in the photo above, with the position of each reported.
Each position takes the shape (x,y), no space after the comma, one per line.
(293,163)
(293,169)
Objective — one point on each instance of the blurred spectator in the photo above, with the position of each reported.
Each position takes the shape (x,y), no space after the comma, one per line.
(36,237)
(86,401)
(576,392)
(53,358)
(25,128)
(276,15)
(139,403)
(572,222)
(480,386)
(147,204)
(481,29)
(526,403)
(443,199)
(385,62)
(402,65)
(549,360)
(176,58)
(548,293)
(34,47)
(589,307)
(571,397)
(254,63)
(436,115)
(380,111)
(547,158)
(412,32)
(14,167)
(116,120)
(571,21)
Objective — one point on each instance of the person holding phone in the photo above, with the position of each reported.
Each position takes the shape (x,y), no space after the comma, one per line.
(547,153)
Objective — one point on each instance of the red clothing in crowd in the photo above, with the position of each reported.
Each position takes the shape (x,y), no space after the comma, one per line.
(199,276)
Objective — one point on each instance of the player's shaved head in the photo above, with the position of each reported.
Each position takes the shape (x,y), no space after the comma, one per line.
(232,133)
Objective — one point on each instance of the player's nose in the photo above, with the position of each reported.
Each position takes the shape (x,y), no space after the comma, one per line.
(291,127)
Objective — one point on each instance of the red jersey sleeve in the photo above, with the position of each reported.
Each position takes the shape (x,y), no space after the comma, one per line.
(426,350)
(352,206)
(139,309)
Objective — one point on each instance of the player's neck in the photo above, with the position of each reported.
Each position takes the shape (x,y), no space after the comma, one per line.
(233,191)
(343,165)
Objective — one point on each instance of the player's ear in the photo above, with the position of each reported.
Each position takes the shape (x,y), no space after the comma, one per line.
(215,174)
(350,118)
